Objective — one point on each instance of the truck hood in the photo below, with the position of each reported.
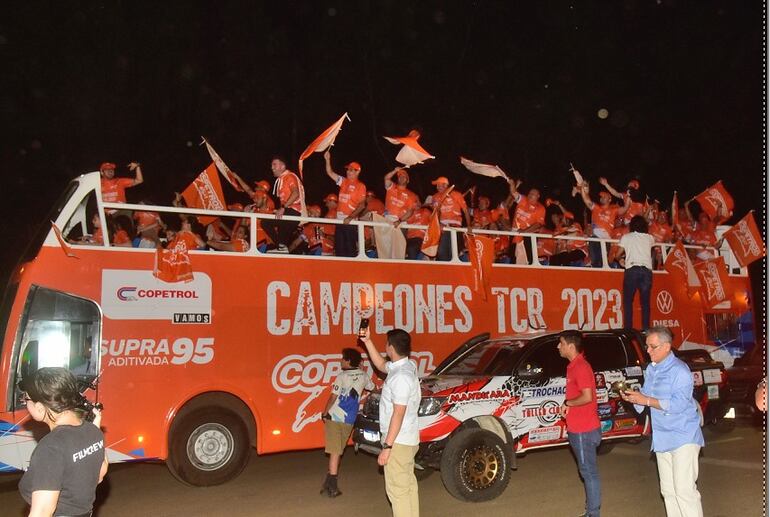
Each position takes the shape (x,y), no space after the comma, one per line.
(445,385)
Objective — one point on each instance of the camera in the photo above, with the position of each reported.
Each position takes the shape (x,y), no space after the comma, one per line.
(363,326)
(87,406)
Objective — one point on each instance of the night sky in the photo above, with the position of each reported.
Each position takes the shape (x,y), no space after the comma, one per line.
(513,83)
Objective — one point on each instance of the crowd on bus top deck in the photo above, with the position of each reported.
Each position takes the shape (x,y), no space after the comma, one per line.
(610,210)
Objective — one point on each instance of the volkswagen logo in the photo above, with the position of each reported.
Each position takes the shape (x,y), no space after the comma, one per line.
(665,302)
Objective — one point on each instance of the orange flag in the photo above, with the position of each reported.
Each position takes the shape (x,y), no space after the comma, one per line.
(205,192)
(432,236)
(674,211)
(62,242)
(715,198)
(746,241)
(714,281)
(323,141)
(679,266)
(173,264)
(222,166)
(481,251)
(411,153)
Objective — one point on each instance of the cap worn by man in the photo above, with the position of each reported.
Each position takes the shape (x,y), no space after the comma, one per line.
(440,180)
(353,165)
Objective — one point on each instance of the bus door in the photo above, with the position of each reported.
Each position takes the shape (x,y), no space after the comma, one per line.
(60,330)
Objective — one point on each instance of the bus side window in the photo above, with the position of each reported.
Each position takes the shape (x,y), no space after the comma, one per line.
(80,225)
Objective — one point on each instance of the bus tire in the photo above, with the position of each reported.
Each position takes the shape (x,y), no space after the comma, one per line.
(208,446)
(476,465)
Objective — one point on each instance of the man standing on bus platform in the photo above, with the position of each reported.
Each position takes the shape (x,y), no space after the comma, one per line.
(451,207)
(114,189)
(351,203)
(291,195)
(581,413)
(399,431)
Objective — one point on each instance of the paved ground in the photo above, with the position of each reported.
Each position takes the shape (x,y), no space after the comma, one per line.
(546,484)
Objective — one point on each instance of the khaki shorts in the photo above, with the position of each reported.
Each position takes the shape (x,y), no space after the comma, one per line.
(336,434)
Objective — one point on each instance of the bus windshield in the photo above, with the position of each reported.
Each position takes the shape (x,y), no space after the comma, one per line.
(45,225)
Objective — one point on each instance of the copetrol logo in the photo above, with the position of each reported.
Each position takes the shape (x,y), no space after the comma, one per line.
(665,302)
(127,294)
(131,293)
(545,391)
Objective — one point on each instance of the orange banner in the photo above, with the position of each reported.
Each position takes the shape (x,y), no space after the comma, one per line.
(412,152)
(481,251)
(63,243)
(715,199)
(173,264)
(745,240)
(714,281)
(675,211)
(205,192)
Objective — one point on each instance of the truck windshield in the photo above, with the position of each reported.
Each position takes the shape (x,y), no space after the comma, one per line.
(487,358)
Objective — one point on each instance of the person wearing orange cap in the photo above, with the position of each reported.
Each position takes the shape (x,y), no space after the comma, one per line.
(351,204)
(603,217)
(529,216)
(114,189)
(451,206)
(291,195)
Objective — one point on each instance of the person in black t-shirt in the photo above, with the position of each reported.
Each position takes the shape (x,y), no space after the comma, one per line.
(68,462)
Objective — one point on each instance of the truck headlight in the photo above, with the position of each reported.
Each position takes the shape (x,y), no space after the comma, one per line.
(430,406)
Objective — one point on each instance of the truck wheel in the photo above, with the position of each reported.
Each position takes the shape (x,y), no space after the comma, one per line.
(476,465)
(208,446)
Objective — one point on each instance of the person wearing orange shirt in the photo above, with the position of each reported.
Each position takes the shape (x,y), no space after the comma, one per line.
(414,236)
(451,206)
(603,217)
(705,236)
(351,204)
(638,200)
(237,243)
(291,196)
(482,216)
(570,252)
(662,233)
(114,189)
(310,238)
(329,230)
(191,239)
(529,216)
(400,202)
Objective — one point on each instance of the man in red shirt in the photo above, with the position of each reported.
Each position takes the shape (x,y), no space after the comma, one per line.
(114,189)
(291,196)
(351,204)
(581,413)
(451,206)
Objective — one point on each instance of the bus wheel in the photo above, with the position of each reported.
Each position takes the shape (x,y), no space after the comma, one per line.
(208,446)
(476,465)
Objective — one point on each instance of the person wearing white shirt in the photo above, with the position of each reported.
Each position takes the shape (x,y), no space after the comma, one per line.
(637,247)
(399,429)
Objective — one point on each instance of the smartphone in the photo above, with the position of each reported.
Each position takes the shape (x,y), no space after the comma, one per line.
(363,326)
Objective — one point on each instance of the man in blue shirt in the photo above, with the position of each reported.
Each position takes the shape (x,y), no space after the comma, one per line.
(676,434)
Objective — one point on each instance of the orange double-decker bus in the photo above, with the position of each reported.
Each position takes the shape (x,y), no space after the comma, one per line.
(196,373)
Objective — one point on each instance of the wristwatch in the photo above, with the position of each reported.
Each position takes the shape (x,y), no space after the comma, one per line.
(386,446)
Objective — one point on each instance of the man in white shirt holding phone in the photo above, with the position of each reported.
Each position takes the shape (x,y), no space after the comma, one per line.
(399,431)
